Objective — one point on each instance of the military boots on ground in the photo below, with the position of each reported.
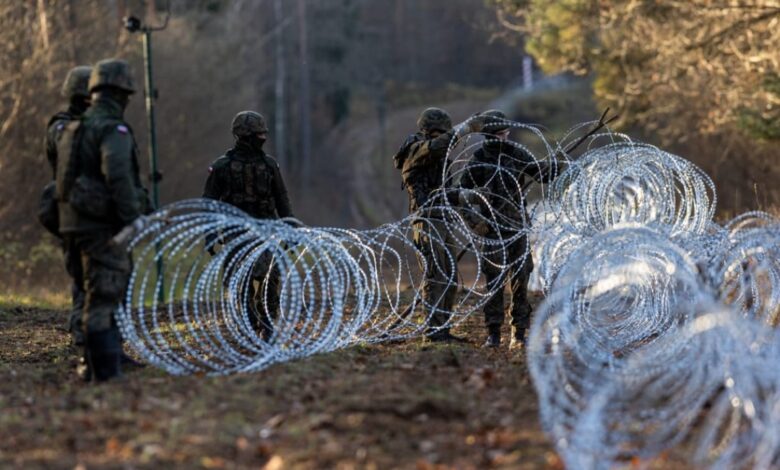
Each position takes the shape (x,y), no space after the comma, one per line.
(104,355)
(444,336)
(494,337)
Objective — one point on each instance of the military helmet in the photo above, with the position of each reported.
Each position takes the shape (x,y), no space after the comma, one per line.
(495,121)
(76,82)
(115,73)
(434,119)
(247,123)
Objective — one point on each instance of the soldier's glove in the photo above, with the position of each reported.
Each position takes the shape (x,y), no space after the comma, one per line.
(293,222)
(471,125)
(135,227)
(472,212)
(481,228)
(211,243)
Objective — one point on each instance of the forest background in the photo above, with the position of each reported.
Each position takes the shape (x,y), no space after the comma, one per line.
(342,81)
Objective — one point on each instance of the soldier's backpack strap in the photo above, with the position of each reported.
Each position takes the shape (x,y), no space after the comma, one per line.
(60,116)
(68,161)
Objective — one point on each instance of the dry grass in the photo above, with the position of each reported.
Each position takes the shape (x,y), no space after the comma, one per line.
(411,405)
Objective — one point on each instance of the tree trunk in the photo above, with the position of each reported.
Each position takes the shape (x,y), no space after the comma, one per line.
(279,98)
(305,93)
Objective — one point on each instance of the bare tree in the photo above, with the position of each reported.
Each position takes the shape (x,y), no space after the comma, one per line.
(305,93)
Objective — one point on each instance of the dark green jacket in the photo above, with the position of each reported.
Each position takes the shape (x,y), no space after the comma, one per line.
(423,168)
(54,129)
(250,181)
(107,155)
(503,189)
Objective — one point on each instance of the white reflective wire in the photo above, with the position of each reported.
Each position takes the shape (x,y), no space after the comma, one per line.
(653,331)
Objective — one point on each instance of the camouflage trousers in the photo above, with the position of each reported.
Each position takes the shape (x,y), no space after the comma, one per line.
(439,262)
(264,294)
(518,275)
(105,269)
(74,270)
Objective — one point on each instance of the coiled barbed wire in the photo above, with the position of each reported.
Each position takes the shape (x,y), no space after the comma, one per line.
(747,268)
(632,352)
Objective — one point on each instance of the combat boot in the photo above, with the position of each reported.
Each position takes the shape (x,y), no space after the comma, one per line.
(444,336)
(518,338)
(126,361)
(262,325)
(104,354)
(494,337)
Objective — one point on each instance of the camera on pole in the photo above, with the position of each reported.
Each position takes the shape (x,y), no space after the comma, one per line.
(133,24)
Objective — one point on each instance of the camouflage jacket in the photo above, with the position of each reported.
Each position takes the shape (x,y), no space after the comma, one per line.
(54,129)
(423,167)
(503,189)
(99,149)
(250,181)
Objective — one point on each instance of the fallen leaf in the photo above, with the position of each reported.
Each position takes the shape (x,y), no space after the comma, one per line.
(275,463)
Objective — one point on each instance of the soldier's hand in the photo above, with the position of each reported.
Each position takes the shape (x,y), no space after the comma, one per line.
(293,222)
(481,229)
(476,122)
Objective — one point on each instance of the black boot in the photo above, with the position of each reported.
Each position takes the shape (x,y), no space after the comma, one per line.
(262,325)
(444,336)
(104,351)
(129,362)
(494,337)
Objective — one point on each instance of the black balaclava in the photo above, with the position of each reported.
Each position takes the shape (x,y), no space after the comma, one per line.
(121,97)
(78,104)
(252,143)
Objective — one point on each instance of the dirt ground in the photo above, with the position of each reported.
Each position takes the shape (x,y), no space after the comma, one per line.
(411,405)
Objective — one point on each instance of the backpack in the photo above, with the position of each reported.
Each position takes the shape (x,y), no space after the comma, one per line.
(87,195)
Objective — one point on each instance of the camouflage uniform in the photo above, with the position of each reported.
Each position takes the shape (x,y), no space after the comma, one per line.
(99,192)
(503,192)
(75,89)
(249,179)
(422,159)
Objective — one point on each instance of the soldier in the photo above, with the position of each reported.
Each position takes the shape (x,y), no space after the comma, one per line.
(422,159)
(99,192)
(75,90)
(249,179)
(503,191)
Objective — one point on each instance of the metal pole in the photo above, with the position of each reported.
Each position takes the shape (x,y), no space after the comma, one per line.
(154,175)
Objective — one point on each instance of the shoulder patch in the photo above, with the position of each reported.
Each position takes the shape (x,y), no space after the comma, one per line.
(211,169)
(123,129)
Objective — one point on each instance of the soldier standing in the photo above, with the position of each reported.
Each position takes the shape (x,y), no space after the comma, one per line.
(249,179)
(422,159)
(497,172)
(99,191)
(75,89)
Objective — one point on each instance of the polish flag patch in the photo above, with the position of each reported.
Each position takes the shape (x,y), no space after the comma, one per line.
(123,129)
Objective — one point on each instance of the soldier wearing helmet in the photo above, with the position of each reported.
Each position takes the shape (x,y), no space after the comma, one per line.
(422,159)
(75,91)
(99,191)
(495,176)
(248,178)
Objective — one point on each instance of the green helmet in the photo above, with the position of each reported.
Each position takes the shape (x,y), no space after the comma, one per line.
(247,123)
(434,119)
(77,81)
(495,121)
(114,73)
